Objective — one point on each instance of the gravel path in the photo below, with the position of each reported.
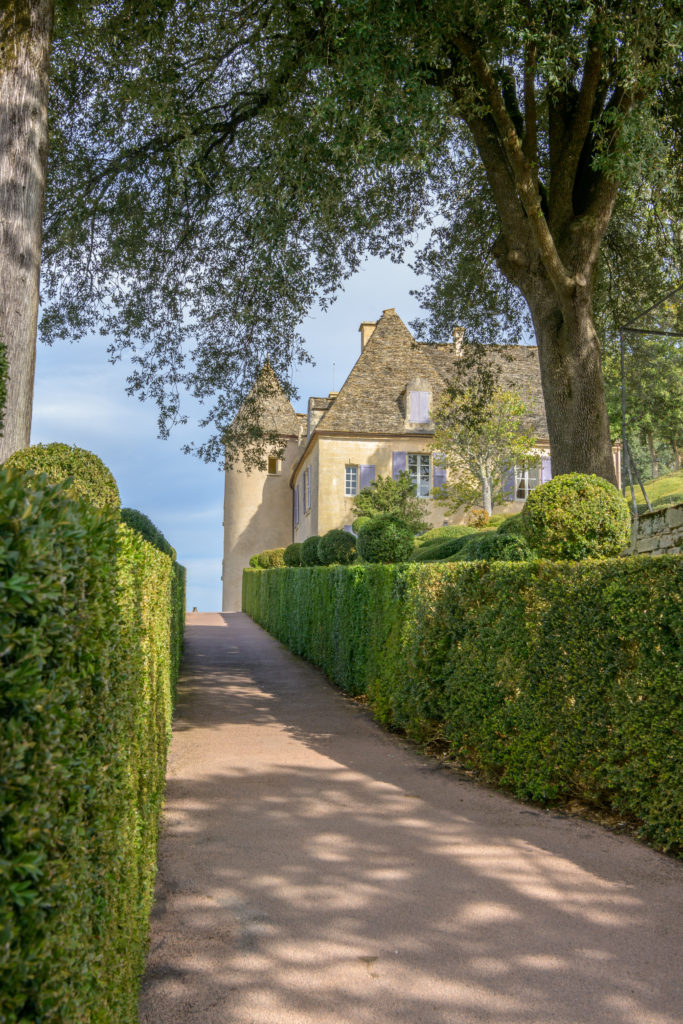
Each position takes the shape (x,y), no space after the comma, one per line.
(316,870)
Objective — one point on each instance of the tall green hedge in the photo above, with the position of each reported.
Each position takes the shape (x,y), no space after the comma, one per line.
(90,478)
(89,648)
(555,680)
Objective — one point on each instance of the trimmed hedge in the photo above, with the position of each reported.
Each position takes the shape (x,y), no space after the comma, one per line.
(145,527)
(90,639)
(554,680)
(309,551)
(272,558)
(491,546)
(90,478)
(440,549)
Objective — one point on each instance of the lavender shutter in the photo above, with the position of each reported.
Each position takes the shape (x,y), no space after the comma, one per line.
(367,475)
(348,529)
(423,407)
(439,473)
(398,464)
(546,469)
(509,484)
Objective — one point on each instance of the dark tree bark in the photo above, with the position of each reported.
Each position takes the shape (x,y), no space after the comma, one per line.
(25,37)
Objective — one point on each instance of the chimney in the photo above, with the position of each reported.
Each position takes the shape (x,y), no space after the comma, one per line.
(366,329)
(458,340)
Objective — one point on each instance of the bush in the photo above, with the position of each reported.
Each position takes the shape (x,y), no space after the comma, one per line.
(491,546)
(385,539)
(511,525)
(337,546)
(90,477)
(309,551)
(440,549)
(143,525)
(468,654)
(478,517)
(292,554)
(272,558)
(576,516)
(358,524)
(440,533)
(90,647)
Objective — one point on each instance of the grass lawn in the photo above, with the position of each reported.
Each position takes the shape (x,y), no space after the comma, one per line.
(665,490)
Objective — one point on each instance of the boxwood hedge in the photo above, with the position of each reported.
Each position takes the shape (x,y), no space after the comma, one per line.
(90,635)
(554,680)
(90,478)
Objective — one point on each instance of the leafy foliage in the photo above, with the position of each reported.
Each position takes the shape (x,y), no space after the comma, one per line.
(492,546)
(292,554)
(468,654)
(90,646)
(477,442)
(386,496)
(249,156)
(91,479)
(271,558)
(309,551)
(576,516)
(386,538)
(143,525)
(442,548)
(359,522)
(337,547)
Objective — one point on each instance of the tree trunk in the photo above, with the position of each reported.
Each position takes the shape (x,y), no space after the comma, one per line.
(25,37)
(486,494)
(571,377)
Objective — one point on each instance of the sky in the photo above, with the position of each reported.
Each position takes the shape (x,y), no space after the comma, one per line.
(80,399)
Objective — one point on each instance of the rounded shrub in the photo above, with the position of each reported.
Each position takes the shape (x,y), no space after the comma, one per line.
(292,554)
(491,546)
(253,562)
(385,538)
(336,547)
(309,551)
(92,481)
(576,516)
(358,523)
(272,558)
(440,549)
(143,525)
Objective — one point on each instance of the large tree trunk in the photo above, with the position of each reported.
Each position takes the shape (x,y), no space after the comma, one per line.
(25,37)
(571,376)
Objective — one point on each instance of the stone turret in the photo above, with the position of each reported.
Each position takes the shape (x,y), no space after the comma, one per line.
(258,503)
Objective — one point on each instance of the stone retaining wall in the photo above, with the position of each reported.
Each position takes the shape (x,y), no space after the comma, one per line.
(658,532)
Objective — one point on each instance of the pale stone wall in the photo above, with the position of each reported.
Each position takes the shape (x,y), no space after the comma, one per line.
(659,532)
(308,521)
(257,515)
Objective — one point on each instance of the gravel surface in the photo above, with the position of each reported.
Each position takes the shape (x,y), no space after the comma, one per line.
(317,870)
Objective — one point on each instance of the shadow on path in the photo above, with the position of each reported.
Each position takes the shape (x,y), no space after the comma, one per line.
(315,869)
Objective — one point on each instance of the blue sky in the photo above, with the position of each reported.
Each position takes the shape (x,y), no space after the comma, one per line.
(80,399)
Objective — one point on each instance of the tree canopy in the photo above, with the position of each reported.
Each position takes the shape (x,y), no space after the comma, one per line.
(218,166)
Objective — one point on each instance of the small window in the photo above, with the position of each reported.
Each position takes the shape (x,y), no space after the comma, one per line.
(351,481)
(273,465)
(526,478)
(418,467)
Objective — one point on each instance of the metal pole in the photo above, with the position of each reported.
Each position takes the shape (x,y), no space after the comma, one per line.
(624,443)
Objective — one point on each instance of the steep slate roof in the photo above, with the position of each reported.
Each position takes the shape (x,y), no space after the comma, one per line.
(275,412)
(370,400)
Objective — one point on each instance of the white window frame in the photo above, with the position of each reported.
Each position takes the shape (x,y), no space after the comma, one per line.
(527,478)
(421,480)
(351,475)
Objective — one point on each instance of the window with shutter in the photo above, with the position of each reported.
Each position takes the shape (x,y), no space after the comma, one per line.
(367,475)
(351,481)
(439,472)
(398,464)
(546,469)
(418,467)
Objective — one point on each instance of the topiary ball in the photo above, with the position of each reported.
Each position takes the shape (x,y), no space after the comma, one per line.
(576,516)
(337,547)
(358,523)
(292,554)
(271,558)
(385,538)
(92,481)
(309,551)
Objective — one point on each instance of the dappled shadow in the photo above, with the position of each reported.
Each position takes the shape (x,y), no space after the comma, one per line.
(315,869)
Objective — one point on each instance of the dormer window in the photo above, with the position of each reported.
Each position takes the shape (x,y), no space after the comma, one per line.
(274,465)
(418,406)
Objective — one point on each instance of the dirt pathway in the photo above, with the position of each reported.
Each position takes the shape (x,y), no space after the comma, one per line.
(314,870)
